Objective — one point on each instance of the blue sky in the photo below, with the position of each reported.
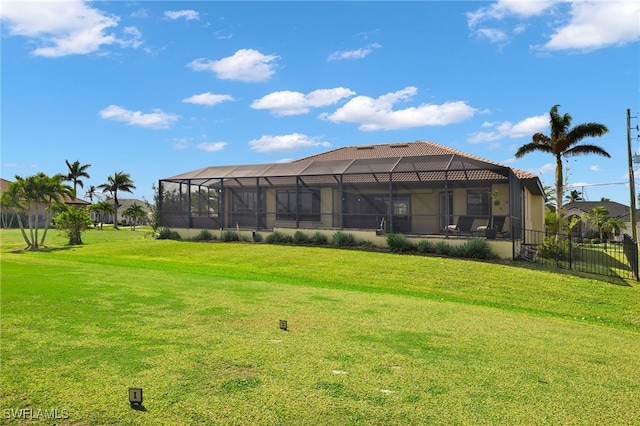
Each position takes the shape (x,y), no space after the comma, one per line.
(156,89)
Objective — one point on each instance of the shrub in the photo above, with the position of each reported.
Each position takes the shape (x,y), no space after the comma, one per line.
(319,239)
(343,239)
(424,246)
(476,248)
(204,235)
(300,238)
(257,237)
(228,236)
(163,233)
(552,248)
(278,237)
(399,243)
(442,248)
(367,244)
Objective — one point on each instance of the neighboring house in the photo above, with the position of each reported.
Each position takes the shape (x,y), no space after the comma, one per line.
(4,185)
(125,203)
(416,188)
(615,210)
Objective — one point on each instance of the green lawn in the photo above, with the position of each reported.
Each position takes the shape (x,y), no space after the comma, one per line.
(374,338)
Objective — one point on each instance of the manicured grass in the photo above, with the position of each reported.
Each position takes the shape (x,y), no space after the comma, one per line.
(374,338)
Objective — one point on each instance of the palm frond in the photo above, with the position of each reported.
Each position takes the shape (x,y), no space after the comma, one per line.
(585,130)
(586,149)
(532,147)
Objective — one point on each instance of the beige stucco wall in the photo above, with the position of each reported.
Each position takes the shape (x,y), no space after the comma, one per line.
(533,211)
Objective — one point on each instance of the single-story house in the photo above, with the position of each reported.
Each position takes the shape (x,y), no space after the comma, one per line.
(417,189)
(615,210)
(123,205)
(7,215)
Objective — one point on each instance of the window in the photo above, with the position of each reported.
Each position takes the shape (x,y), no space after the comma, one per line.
(478,203)
(305,202)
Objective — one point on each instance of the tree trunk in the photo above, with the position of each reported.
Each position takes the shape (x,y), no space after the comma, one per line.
(115,210)
(24,234)
(46,228)
(559,191)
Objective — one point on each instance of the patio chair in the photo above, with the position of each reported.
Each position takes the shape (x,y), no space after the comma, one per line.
(495,222)
(462,227)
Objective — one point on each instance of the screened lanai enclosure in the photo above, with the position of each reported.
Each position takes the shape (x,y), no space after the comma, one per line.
(378,187)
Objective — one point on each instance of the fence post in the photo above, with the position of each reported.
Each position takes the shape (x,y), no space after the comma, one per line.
(570,251)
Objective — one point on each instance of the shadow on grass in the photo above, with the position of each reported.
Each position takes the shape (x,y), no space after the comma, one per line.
(615,280)
(42,249)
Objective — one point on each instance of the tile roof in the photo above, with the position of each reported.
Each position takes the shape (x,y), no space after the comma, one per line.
(403,149)
(614,209)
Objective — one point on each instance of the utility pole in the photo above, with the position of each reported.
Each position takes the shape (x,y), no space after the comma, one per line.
(632,186)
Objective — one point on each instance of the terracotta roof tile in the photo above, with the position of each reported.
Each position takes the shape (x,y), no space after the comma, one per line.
(406,149)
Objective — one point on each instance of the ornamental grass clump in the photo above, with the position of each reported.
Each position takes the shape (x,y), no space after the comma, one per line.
(343,239)
(476,248)
(319,239)
(229,236)
(278,237)
(163,233)
(424,246)
(300,238)
(204,235)
(399,243)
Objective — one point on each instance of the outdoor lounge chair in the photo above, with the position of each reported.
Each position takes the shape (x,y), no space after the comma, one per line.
(462,227)
(495,222)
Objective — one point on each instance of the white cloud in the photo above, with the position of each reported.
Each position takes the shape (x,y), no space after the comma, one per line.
(186,14)
(378,113)
(503,8)
(527,127)
(594,25)
(246,65)
(154,120)
(64,27)
(284,103)
(594,168)
(212,146)
(582,25)
(208,99)
(354,54)
(285,143)
(492,34)
(546,169)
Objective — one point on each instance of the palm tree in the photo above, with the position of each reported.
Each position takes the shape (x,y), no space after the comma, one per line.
(120,181)
(101,208)
(76,171)
(575,195)
(563,141)
(598,216)
(33,196)
(91,193)
(134,212)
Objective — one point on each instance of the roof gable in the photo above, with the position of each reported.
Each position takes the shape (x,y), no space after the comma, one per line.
(614,209)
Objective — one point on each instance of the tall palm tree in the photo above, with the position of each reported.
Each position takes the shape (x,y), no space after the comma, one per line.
(35,196)
(563,141)
(120,181)
(76,171)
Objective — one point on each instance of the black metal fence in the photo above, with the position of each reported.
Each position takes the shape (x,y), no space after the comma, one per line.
(595,256)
